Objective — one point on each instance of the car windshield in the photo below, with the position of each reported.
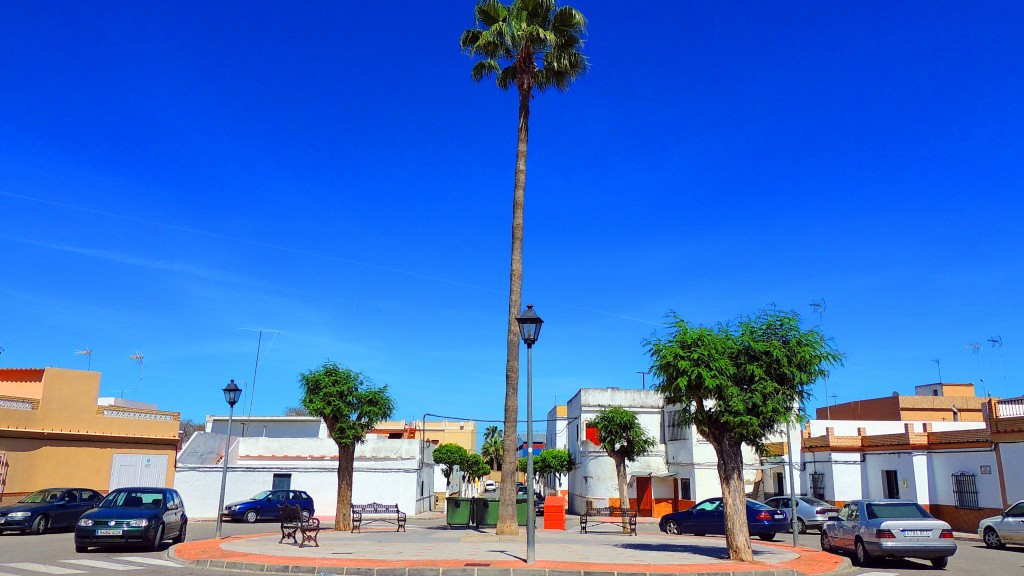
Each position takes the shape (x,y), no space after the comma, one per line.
(910,510)
(41,496)
(261,495)
(137,498)
(814,501)
(757,505)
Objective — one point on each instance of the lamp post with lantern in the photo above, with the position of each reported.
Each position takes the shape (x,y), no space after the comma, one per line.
(231,395)
(529,330)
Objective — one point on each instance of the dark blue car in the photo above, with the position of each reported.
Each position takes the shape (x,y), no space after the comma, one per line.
(708,517)
(264,506)
(47,508)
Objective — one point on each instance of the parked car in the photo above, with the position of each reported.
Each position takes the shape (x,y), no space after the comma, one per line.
(142,516)
(490,485)
(48,508)
(264,506)
(888,529)
(810,512)
(538,504)
(1007,528)
(708,517)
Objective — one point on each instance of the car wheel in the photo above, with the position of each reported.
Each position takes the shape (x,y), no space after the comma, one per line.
(767,537)
(158,538)
(861,556)
(672,527)
(81,549)
(251,516)
(306,515)
(39,526)
(940,563)
(181,533)
(801,526)
(826,543)
(992,539)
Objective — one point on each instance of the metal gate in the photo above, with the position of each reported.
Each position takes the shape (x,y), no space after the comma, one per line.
(818,485)
(965,491)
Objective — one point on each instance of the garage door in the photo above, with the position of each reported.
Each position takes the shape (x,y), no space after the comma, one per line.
(138,470)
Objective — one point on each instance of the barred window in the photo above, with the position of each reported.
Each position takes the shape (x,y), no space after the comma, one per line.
(818,485)
(965,491)
(673,429)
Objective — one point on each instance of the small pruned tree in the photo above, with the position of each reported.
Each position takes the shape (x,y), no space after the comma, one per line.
(449,456)
(350,406)
(557,461)
(738,384)
(473,469)
(625,440)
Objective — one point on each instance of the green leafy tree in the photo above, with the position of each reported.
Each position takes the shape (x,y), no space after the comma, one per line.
(625,440)
(493,447)
(528,44)
(350,406)
(738,384)
(449,456)
(474,468)
(557,461)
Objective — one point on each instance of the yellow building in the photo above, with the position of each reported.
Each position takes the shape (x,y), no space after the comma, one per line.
(55,432)
(460,432)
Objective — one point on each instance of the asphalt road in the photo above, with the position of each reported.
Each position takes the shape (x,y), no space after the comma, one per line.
(55,554)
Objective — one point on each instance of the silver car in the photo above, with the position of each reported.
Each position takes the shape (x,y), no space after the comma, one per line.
(810,512)
(1007,528)
(888,529)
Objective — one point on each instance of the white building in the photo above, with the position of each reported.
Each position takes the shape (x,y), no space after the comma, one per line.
(557,436)
(297,453)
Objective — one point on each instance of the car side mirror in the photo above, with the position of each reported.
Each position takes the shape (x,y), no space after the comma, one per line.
(834,518)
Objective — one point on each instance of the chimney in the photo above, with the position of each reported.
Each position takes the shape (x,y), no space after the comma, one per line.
(862,431)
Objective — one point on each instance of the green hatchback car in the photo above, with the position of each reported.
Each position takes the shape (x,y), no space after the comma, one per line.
(133,516)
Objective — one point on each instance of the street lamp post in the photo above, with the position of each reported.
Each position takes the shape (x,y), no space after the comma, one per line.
(231,394)
(529,330)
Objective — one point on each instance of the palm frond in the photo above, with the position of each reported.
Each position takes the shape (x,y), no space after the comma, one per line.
(469,39)
(507,77)
(485,68)
(490,12)
(568,21)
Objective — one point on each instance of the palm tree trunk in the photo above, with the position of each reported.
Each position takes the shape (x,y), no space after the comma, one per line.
(730,473)
(508,524)
(343,514)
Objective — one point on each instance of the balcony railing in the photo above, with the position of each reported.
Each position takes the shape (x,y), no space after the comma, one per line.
(1010,407)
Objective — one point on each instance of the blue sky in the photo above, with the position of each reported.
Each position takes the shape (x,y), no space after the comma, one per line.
(171,173)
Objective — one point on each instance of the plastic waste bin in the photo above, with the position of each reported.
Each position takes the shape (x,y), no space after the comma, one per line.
(459,511)
(486,511)
(522,510)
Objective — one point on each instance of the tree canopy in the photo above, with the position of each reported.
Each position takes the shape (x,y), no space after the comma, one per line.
(350,406)
(739,383)
(449,456)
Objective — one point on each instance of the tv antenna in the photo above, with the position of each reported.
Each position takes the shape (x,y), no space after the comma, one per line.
(643,379)
(259,345)
(87,352)
(938,366)
(140,359)
(997,342)
(976,348)
(818,306)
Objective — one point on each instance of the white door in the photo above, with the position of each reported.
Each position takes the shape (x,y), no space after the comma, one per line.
(138,470)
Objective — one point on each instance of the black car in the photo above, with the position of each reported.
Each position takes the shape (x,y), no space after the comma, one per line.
(48,508)
(142,516)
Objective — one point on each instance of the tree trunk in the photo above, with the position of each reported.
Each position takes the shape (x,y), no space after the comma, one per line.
(620,474)
(734,498)
(346,460)
(508,523)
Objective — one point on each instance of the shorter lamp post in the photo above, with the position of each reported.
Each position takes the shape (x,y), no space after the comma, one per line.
(529,330)
(231,394)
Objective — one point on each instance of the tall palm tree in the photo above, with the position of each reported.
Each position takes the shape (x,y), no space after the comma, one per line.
(529,44)
(493,448)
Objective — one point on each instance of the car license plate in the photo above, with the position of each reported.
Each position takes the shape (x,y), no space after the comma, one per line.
(780,516)
(108,532)
(917,533)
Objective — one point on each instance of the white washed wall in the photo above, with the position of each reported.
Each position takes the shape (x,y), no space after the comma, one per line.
(849,427)
(1012,455)
(944,464)
(876,462)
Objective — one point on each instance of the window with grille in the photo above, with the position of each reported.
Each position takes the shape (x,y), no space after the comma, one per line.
(674,430)
(965,491)
(818,485)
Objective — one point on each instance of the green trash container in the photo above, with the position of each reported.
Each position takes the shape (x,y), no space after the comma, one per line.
(522,510)
(459,511)
(486,511)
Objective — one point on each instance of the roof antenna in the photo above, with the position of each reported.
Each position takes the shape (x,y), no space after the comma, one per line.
(259,344)
(819,307)
(938,366)
(87,352)
(997,342)
(140,358)
(977,348)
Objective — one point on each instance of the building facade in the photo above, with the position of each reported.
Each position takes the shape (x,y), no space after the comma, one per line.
(56,431)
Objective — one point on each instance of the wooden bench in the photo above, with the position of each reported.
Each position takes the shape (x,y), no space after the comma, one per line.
(377,512)
(293,523)
(609,515)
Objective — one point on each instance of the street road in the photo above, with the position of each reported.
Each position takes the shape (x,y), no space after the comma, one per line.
(55,554)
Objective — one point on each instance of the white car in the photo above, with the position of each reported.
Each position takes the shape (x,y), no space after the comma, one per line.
(1007,528)
(490,486)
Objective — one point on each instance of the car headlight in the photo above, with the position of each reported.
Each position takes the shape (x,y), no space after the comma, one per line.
(19,514)
(140,522)
(85,522)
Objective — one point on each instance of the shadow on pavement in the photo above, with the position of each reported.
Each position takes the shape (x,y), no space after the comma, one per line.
(716,552)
